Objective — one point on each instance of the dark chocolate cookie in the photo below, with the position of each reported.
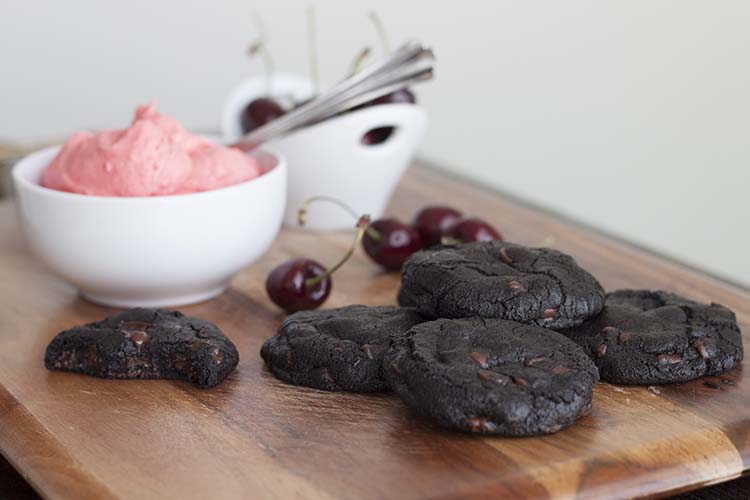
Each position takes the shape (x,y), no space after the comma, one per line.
(145,343)
(336,349)
(491,376)
(494,279)
(645,337)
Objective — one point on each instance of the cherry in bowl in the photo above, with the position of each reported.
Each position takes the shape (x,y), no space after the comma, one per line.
(259,112)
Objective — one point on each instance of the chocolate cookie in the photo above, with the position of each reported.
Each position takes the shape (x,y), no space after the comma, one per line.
(145,343)
(495,279)
(491,376)
(336,349)
(645,337)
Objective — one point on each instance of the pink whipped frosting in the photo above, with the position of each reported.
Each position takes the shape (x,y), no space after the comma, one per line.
(154,156)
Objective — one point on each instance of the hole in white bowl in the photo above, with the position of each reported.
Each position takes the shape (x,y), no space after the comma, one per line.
(377,136)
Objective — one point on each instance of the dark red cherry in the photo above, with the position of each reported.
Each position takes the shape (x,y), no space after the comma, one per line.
(401,96)
(466,229)
(288,285)
(300,284)
(433,221)
(258,112)
(389,242)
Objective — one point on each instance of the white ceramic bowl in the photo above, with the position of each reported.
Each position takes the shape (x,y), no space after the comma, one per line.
(329,159)
(150,251)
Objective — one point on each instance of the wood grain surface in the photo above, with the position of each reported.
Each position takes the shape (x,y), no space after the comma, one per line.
(72,436)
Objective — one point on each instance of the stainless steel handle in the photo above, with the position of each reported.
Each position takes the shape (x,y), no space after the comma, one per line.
(411,63)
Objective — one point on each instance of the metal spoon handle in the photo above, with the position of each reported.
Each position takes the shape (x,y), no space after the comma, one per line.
(411,63)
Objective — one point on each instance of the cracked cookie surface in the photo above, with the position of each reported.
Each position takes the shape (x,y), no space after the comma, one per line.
(337,349)
(146,344)
(491,376)
(654,337)
(502,280)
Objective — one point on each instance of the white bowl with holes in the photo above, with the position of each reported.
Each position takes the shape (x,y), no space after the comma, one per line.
(151,251)
(329,158)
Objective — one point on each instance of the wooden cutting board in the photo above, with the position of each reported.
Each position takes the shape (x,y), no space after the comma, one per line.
(72,436)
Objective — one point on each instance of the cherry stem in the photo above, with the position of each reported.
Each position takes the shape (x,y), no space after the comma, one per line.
(362,225)
(380,29)
(447,240)
(362,55)
(374,233)
(312,47)
(260,46)
(302,213)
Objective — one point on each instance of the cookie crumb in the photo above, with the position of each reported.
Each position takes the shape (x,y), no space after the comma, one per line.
(654,390)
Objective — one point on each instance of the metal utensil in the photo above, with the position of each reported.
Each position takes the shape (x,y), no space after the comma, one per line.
(409,64)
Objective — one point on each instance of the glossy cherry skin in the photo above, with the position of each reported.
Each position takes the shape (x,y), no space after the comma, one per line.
(258,112)
(466,229)
(401,96)
(397,241)
(286,287)
(433,221)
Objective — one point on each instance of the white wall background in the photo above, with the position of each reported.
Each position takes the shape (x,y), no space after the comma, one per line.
(631,115)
